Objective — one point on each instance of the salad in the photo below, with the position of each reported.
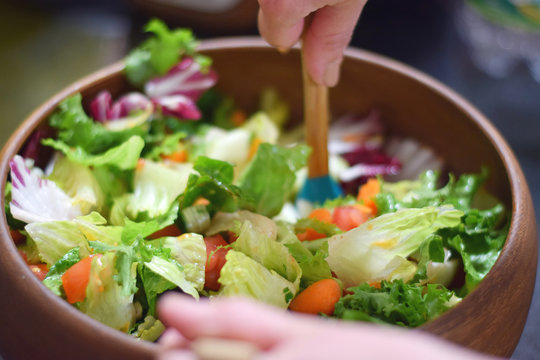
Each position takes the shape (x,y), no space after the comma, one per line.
(175,188)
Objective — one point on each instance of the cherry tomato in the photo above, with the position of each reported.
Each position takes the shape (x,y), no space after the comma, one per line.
(348,217)
(171,230)
(215,259)
(40,270)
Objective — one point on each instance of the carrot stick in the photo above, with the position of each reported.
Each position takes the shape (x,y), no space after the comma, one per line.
(367,193)
(321,214)
(319,297)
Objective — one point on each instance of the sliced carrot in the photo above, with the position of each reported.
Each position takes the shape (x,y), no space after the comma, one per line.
(321,214)
(375,284)
(76,278)
(238,117)
(254,147)
(367,193)
(319,297)
(201,201)
(178,156)
(140,164)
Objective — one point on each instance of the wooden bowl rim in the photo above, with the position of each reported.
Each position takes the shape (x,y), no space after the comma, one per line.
(9,254)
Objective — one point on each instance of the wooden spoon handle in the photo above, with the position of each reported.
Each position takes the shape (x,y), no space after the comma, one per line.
(316,116)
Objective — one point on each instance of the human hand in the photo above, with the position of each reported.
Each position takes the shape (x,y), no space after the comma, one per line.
(281,23)
(278,334)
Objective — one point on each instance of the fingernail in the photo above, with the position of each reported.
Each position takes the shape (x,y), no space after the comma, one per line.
(282,50)
(331,73)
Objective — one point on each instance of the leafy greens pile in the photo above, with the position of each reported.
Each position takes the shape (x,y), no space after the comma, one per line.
(148,193)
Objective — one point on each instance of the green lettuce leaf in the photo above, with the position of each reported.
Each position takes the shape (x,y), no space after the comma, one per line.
(133,229)
(424,192)
(168,145)
(478,239)
(153,284)
(54,239)
(222,222)
(269,193)
(53,280)
(159,53)
(172,271)
(268,252)
(394,303)
(213,183)
(94,228)
(314,266)
(156,186)
(378,249)
(189,250)
(124,156)
(78,130)
(150,329)
(79,182)
(243,276)
(105,301)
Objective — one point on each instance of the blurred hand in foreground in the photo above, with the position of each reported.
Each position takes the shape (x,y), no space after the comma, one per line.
(281,23)
(277,334)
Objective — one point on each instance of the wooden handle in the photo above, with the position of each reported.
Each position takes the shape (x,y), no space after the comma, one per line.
(316,116)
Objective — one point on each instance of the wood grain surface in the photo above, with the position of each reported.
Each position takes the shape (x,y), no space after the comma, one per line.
(490,319)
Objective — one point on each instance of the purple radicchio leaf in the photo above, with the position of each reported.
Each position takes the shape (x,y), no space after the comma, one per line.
(129,110)
(34,199)
(366,163)
(35,150)
(103,109)
(179,106)
(185,78)
(100,106)
(359,140)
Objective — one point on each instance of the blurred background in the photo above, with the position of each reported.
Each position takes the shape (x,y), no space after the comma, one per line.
(486,50)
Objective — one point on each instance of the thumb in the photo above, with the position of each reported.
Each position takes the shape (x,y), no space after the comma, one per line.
(231,318)
(327,37)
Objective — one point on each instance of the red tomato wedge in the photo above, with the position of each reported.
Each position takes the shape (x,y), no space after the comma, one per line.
(40,270)
(348,217)
(215,259)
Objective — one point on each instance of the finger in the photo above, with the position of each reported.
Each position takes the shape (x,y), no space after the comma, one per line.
(238,319)
(172,339)
(281,22)
(327,37)
(176,355)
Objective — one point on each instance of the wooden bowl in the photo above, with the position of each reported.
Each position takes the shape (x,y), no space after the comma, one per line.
(239,17)
(490,319)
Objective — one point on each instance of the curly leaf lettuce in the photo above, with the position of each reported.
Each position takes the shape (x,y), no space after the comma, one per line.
(394,303)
